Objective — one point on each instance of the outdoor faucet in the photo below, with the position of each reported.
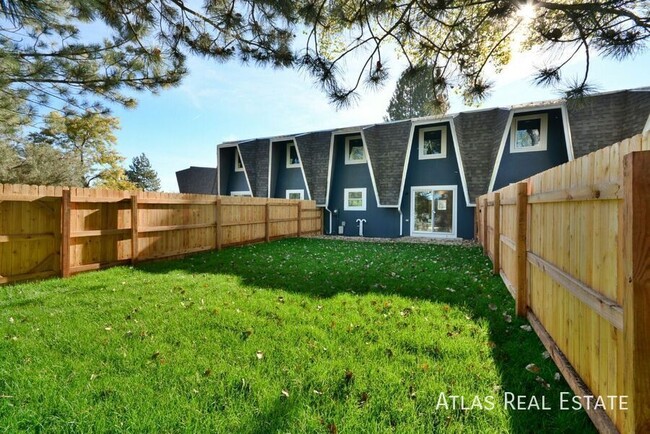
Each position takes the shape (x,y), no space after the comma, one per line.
(361,222)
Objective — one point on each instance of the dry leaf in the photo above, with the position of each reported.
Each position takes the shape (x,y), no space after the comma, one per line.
(526,327)
(543,382)
(281,299)
(507,318)
(108,328)
(364,398)
(492,344)
(284,394)
(532,368)
(492,306)
(259,355)
(318,392)
(546,355)
(557,376)
(332,428)
(450,289)
(349,376)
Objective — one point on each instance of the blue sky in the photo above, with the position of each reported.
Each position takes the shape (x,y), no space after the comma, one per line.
(218,102)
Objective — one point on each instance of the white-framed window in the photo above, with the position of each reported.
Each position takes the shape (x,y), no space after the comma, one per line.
(241,193)
(295,194)
(293,160)
(432,143)
(239,165)
(354,152)
(355,199)
(529,133)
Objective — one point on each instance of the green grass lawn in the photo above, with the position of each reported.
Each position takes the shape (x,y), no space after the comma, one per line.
(300,335)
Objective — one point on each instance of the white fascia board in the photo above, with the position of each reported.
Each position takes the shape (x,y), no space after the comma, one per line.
(497,162)
(567,133)
(372,173)
(406,163)
(459,161)
(329,172)
(302,169)
(245,172)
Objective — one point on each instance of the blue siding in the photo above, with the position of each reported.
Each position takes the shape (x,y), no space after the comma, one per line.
(380,222)
(284,178)
(521,165)
(443,171)
(228,178)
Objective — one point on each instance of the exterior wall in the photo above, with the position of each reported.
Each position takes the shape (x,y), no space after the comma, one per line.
(229,180)
(284,178)
(197,180)
(380,222)
(521,165)
(443,171)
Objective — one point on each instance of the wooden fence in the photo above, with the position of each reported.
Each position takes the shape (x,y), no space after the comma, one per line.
(572,245)
(53,231)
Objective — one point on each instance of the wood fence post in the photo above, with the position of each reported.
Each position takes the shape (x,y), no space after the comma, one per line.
(217,224)
(521,251)
(299,219)
(267,222)
(65,233)
(635,251)
(485,220)
(496,232)
(134,228)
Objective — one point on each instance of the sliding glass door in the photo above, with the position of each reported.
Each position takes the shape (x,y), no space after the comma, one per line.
(433,211)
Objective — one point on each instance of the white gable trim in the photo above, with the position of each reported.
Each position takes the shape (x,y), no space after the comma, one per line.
(567,133)
(459,159)
(302,169)
(329,176)
(245,172)
(506,134)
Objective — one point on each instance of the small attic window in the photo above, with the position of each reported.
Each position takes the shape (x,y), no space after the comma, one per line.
(239,165)
(354,152)
(432,143)
(292,156)
(529,133)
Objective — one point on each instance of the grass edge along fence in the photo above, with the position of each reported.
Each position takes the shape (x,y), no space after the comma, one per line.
(572,245)
(55,231)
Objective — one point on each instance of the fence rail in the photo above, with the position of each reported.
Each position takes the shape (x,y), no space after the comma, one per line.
(572,245)
(55,231)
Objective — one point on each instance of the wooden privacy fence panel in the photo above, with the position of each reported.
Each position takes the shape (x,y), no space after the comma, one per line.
(575,253)
(50,231)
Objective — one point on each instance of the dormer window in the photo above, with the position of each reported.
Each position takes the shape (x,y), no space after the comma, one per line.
(354,152)
(432,143)
(293,160)
(529,133)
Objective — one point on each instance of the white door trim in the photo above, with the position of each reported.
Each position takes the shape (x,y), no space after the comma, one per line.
(454,225)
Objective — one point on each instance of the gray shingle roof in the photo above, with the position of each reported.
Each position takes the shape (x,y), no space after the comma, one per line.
(197,180)
(479,136)
(387,145)
(314,150)
(255,156)
(601,120)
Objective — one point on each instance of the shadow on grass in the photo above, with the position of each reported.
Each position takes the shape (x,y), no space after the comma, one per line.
(454,275)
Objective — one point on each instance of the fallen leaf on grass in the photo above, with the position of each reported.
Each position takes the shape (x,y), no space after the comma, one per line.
(450,289)
(318,392)
(332,428)
(492,344)
(492,306)
(546,355)
(259,355)
(557,376)
(284,394)
(349,376)
(363,399)
(507,318)
(532,368)
(543,382)
(526,327)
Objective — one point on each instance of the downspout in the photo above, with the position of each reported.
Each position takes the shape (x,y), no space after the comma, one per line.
(328,210)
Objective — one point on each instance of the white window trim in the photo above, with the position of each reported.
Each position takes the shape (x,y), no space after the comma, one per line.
(347,150)
(443,143)
(238,167)
(289,164)
(241,193)
(543,134)
(347,191)
(300,191)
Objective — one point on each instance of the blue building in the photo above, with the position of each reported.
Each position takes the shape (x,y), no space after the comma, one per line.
(421,177)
